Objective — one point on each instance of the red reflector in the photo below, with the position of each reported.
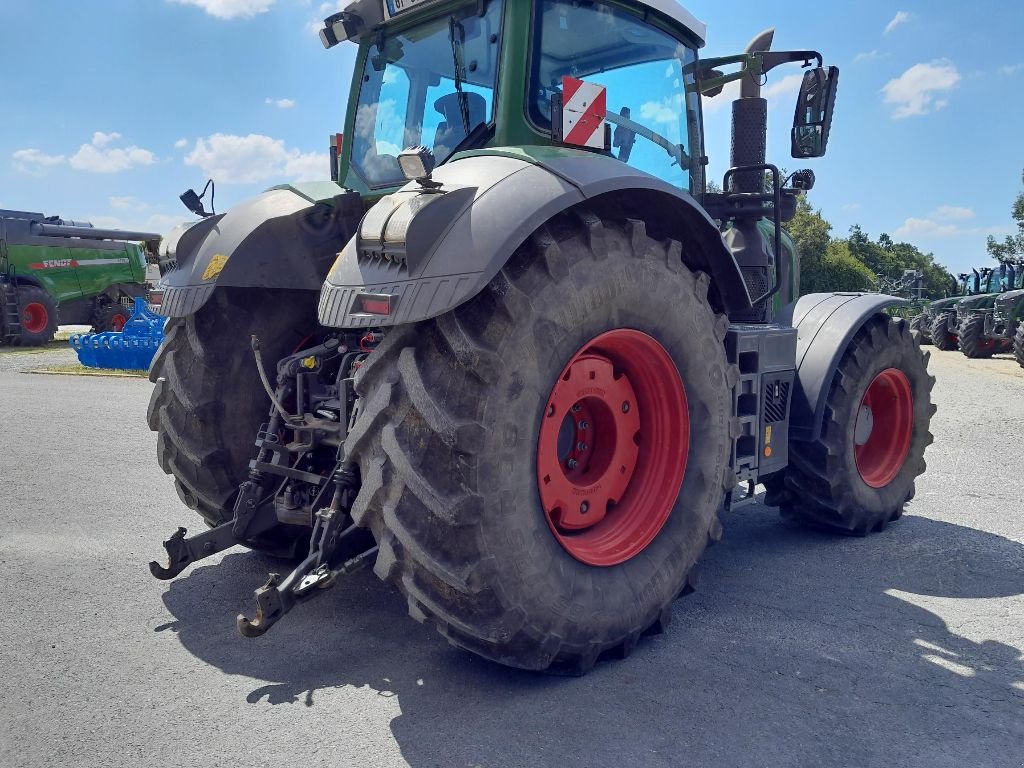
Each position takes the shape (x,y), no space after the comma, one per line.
(376,306)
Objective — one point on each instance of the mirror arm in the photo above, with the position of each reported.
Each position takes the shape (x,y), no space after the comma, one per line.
(772,59)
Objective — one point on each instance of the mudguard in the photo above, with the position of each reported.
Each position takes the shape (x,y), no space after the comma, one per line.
(428,251)
(285,237)
(825,323)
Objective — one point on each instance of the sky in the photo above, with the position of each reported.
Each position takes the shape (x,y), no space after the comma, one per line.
(109,109)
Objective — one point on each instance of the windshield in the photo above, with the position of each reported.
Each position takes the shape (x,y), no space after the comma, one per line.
(430,85)
(653,104)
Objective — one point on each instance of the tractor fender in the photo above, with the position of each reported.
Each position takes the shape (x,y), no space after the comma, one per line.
(825,323)
(428,250)
(286,237)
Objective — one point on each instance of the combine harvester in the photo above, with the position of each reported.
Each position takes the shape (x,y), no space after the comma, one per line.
(54,271)
(521,366)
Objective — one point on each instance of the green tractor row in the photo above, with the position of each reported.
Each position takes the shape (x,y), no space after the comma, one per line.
(938,322)
(58,271)
(518,358)
(990,324)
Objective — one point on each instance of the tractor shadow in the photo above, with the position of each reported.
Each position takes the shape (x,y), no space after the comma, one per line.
(797,649)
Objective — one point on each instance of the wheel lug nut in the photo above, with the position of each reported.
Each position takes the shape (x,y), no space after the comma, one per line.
(625,407)
(576,408)
(581,447)
(572,463)
(584,507)
(584,425)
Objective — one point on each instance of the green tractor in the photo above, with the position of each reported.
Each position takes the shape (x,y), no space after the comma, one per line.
(517,358)
(978,332)
(921,323)
(57,271)
(940,317)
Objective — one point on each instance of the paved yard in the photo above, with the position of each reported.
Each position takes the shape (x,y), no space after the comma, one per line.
(902,649)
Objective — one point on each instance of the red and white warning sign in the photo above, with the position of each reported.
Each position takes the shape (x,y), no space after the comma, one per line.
(583,109)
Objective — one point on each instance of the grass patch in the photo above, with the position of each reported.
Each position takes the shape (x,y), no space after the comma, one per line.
(77,369)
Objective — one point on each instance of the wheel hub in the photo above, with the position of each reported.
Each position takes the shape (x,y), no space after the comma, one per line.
(612,448)
(34,317)
(884,427)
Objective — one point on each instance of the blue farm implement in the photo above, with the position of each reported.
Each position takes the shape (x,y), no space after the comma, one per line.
(131,348)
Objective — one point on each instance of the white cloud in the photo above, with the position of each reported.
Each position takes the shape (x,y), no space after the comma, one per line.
(951,212)
(101,139)
(935,226)
(230,9)
(1011,69)
(181,143)
(280,103)
(852,207)
(127,203)
(35,161)
(157,223)
(99,157)
(872,55)
(901,17)
(920,89)
(229,159)
(668,111)
(789,85)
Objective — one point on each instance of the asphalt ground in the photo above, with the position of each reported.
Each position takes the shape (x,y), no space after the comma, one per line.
(798,649)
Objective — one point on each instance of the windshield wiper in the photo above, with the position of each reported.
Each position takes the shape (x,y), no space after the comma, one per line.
(454,25)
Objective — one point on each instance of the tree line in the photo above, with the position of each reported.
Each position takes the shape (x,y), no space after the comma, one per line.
(854,263)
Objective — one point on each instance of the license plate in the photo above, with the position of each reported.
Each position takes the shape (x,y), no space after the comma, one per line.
(393,8)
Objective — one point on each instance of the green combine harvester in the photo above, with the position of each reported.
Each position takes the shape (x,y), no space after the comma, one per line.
(54,271)
(517,358)
(992,325)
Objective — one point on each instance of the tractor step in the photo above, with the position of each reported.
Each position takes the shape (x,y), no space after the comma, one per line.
(10,320)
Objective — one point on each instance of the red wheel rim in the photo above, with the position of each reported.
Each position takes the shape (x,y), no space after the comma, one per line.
(612,448)
(117,322)
(34,317)
(885,424)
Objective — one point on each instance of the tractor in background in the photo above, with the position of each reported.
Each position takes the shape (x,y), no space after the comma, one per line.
(517,358)
(940,317)
(54,271)
(997,328)
(969,313)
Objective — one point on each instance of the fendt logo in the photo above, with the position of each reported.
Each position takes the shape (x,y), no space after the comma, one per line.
(55,264)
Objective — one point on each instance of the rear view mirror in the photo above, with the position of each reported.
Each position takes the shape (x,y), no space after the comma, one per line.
(813,119)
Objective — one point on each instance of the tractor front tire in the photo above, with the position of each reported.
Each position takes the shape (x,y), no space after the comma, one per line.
(38,317)
(942,337)
(857,476)
(919,326)
(469,427)
(208,402)
(972,338)
(1018,344)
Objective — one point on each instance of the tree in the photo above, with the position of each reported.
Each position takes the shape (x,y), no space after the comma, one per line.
(1012,247)
(842,271)
(810,232)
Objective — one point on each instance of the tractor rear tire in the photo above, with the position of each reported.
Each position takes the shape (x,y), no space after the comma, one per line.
(972,338)
(110,317)
(1018,344)
(942,338)
(450,436)
(38,317)
(856,477)
(208,402)
(918,325)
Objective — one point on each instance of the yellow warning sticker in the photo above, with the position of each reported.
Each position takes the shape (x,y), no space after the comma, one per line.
(215,267)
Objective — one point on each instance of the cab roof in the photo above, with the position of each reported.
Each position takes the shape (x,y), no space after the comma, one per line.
(680,15)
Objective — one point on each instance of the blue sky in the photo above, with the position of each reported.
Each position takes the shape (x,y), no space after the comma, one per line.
(110,108)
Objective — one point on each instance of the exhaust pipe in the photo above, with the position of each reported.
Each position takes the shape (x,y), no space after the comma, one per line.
(750,123)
